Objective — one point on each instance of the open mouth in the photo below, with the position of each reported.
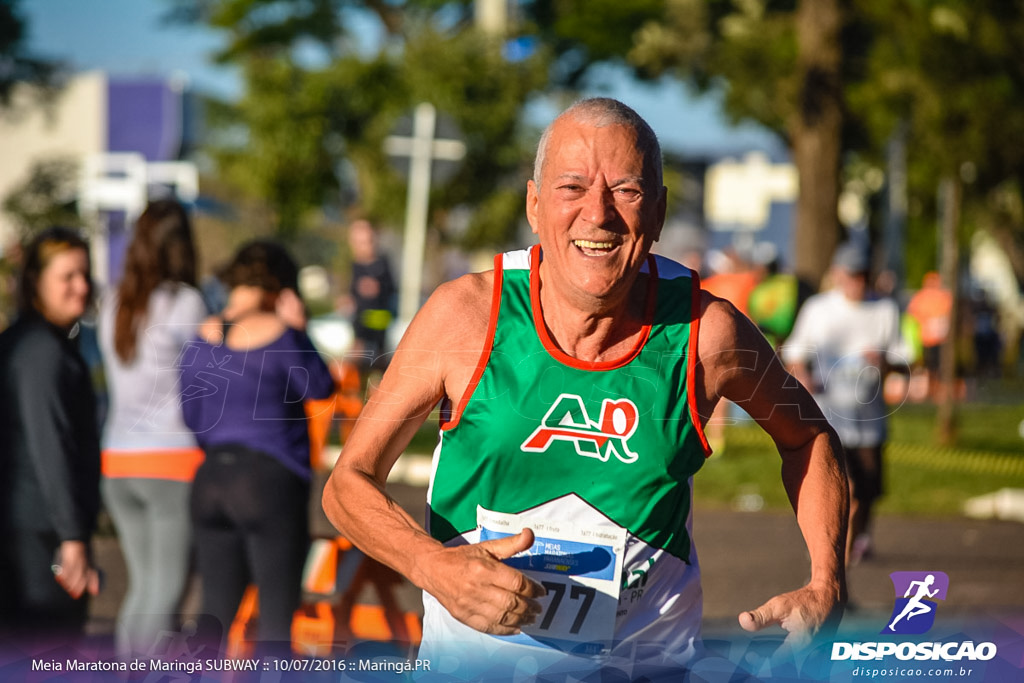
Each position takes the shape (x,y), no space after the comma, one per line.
(591,248)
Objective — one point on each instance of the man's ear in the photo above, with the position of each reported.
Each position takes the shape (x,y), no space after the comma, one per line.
(532,199)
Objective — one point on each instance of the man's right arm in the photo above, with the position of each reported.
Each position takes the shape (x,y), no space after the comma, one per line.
(437,357)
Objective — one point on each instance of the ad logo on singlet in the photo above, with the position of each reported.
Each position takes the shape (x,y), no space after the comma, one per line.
(568,420)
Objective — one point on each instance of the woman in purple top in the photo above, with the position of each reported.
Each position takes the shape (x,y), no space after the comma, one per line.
(243,382)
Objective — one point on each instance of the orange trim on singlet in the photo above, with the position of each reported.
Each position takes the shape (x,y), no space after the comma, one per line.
(174,464)
(485,355)
(691,363)
(564,358)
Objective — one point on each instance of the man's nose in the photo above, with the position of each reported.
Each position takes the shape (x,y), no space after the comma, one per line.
(599,207)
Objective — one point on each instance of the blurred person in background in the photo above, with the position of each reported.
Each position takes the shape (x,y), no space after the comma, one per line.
(932,308)
(49,447)
(371,297)
(243,382)
(988,344)
(774,302)
(733,278)
(843,343)
(149,456)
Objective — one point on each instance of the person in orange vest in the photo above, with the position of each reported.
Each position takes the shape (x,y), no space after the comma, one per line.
(932,307)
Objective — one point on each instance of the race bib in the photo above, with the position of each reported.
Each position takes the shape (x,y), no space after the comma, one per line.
(580,567)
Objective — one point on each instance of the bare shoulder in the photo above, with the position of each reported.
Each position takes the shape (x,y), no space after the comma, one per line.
(447,336)
(722,331)
(456,315)
(733,356)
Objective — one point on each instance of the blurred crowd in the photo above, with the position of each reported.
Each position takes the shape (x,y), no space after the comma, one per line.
(987,342)
(183,408)
(202,448)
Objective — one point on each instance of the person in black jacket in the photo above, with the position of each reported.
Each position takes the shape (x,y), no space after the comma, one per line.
(49,446)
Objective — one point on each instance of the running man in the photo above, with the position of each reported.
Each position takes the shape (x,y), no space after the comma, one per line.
(915,605)
(576,378)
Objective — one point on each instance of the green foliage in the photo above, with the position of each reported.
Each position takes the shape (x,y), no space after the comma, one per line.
(584,32)
(317,98)
(277,152)
(45,198)
(953,72)
(747,48)
(300,120)
(466,76)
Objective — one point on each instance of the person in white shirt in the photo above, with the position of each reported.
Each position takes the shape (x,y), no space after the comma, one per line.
(149,456)
(845,340)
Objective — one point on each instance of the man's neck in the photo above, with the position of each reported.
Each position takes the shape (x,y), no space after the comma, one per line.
(596,330)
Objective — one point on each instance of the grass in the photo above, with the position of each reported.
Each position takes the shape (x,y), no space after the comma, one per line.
(921,478)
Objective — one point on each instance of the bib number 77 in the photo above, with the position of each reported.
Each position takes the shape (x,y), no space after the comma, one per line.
(557,591)
(579,565)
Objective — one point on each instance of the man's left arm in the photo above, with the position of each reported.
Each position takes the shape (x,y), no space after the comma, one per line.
(735,362)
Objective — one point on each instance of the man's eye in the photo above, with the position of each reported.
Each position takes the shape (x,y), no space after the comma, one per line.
(628,192)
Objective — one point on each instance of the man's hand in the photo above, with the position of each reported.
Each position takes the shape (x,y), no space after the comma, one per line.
(804,613)
(75,574)
(479,590)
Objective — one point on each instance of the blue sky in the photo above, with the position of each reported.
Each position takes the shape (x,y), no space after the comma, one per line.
(124,37)
(127,37)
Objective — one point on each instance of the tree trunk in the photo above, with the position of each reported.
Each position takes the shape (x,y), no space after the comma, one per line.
(950,193)
(816,136)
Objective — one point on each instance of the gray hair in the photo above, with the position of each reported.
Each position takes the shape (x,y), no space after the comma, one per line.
(601,112)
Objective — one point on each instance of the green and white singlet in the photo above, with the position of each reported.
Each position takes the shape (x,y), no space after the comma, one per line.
(604,450)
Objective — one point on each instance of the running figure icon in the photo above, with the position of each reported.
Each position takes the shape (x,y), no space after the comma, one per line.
(915,606)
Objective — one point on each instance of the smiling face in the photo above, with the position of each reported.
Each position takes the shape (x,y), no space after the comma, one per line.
(62,291)
(595,213)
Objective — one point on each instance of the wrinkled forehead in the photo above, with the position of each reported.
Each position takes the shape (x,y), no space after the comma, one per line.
(605,136)
(575,145)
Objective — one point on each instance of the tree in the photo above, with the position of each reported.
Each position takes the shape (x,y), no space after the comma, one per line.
(781,64)
(272,142)
(318,102)
(955,74)
(17,66)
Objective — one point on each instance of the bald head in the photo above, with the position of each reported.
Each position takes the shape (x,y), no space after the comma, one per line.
(600,112)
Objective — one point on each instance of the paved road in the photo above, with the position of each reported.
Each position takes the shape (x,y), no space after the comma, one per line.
(748,557)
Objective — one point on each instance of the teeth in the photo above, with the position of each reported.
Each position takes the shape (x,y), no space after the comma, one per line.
(587,244)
